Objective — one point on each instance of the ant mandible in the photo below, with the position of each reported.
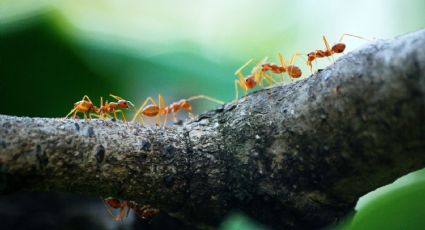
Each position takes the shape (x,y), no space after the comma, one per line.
(160,108)
(337,48)
(257,76)
(84,106)
(111,107)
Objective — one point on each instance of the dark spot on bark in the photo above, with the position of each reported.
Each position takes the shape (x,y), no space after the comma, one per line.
(7,125)
(206,115)
(141,157)
(41,156)
(169,149)
(113,119)
(145,145)
(77,127)
(179,122)
(230,107)
(3,144)
(100,154)
(90,132)
(319,70)
(168,180)
(220,109)
(285,111)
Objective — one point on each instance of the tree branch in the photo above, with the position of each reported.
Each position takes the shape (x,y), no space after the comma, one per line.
(292,156)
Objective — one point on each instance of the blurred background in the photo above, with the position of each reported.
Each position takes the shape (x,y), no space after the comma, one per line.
(52,52)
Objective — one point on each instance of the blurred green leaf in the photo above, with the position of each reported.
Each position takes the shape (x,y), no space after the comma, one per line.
(238,221)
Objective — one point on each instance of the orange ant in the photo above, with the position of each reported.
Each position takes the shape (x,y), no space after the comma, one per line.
(257,76)
(84,106)
(145,211)
(292,70)
(111,107)
(337,48)
(158,109)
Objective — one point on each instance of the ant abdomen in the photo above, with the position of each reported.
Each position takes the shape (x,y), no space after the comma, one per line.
(338,48)
(151,110)
(294,71)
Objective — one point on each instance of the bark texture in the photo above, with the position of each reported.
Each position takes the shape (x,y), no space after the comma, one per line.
(293,156)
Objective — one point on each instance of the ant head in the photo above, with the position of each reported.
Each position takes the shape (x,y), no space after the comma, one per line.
(123,104)
(114,203)
(186,105)
(338,48)
(250,82)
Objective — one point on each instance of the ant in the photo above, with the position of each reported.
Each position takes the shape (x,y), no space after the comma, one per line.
(337,48)
(160,108)
(84,106)
(257,76)
(145,211)
(111,107)
(292,70)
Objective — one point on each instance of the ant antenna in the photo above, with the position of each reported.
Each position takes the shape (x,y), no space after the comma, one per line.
(201,96)
(243,66)
(342,36)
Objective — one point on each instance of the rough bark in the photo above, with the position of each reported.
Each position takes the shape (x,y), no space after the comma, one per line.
(292,156)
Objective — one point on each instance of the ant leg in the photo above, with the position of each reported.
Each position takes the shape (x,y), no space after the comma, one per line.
(158,120)
(269,79)
(238,82)
(328,48)
(281,60)
(258,73)
(149,99)
(86,97)
(345,34)
(122,115)
(201,96)
(174,117)
(236,88)
(90,115)
(121,214)
(315,61)
(165,120)
(282,63)
(310,66)
(72,111)
(258,78)
(116,97)
(241,77)
(161,102)
(109,210)
(297,55)
(115,115)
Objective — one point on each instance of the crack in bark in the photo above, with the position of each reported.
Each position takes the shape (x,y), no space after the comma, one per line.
(189,171)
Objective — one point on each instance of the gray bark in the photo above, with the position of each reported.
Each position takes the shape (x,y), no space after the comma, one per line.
(292,156)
